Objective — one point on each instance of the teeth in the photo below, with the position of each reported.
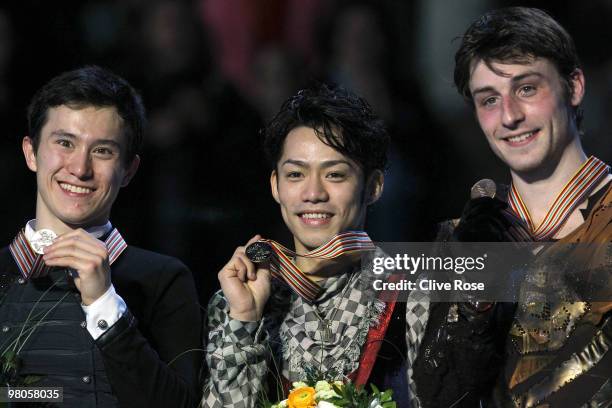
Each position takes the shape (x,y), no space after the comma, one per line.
(75,189)
(315,215)
(520,138)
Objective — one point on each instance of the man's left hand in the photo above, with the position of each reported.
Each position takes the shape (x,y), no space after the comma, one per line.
(88,256)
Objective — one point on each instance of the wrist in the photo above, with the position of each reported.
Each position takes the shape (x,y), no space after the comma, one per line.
(251,316)
(89,298)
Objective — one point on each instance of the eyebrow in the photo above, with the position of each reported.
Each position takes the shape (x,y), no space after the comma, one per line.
(324,164)
(63,133)
(514,80)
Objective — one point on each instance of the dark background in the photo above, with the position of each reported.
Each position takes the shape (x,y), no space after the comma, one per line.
(212,72)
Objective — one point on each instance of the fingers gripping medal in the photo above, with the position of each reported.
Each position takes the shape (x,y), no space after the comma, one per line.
(41,239)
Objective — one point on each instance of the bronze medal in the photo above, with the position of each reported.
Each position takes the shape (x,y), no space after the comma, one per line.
(259,252)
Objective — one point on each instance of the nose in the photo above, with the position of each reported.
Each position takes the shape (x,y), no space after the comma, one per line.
(79,165)
(314,190)
(512,114)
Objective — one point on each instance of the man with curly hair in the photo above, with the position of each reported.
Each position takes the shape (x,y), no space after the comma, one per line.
(328,152)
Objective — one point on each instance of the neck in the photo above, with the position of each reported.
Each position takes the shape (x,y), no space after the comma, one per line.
(320,269)
(539,188)
(45,220)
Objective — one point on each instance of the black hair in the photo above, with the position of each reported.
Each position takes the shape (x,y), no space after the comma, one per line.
(340,119)
(90,86)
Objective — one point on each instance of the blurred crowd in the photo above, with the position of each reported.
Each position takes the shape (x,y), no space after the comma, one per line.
(213,72)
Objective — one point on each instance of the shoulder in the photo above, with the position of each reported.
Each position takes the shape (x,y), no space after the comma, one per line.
(7,263)
(133,254)
(138,271)
(140,263)
(5,254)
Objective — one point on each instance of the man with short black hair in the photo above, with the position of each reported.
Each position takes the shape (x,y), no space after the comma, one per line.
(112,324)
(519,70)
(327,151)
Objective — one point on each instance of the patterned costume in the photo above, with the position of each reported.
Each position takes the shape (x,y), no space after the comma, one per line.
(559,346)
(246,359)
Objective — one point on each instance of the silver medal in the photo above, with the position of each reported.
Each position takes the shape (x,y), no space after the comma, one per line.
(483,188)
(41,239)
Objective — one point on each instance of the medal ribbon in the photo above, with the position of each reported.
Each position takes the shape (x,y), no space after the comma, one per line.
(580,186)
(282,266)
(32,265)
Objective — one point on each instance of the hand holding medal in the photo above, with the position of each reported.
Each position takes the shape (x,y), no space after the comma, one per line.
(246,286)
(88,256)
(245,279)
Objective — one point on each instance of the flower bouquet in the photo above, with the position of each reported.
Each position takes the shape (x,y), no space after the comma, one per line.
(325,394)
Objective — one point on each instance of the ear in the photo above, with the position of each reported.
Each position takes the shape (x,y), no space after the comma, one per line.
(577,83)
(274,185)
(27,145)
(374,186)
(130,171)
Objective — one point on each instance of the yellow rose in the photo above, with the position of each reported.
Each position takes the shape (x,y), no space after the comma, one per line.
(303,397)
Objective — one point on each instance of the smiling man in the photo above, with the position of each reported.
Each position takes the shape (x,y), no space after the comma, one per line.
(519,70)
(328,153)
(80,308)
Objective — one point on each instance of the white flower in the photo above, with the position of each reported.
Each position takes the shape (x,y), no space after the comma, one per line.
(322,386)
(325,404)
(299,384)
(282,404)
(325,395)
(375,404)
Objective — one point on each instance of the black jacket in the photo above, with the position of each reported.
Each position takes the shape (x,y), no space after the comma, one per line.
(138,362)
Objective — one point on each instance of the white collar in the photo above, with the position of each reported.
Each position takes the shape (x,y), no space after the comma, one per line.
(98,231)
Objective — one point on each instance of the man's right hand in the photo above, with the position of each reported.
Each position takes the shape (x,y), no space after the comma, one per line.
(483,221)
(246,286)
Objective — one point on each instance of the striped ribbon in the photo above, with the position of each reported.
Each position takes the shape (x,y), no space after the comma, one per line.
(283,267)
(32,265)
(580,186)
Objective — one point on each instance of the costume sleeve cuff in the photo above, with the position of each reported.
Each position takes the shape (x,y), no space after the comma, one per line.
(104,312)
(242,333)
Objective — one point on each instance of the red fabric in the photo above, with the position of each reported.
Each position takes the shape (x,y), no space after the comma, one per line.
(372,346)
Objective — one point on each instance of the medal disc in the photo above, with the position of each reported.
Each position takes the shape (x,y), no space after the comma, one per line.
(41,239)
(258,252)
(484,188)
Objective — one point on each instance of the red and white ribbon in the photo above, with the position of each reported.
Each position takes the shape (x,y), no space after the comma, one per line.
(283,267)
(32,265)
(580,186)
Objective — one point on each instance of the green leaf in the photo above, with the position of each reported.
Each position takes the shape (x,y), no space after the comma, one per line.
(386,396)
(374,389)
(31,379)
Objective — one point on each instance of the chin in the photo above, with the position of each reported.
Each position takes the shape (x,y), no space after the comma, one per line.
(528,165)
(313,241)
(521,163)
